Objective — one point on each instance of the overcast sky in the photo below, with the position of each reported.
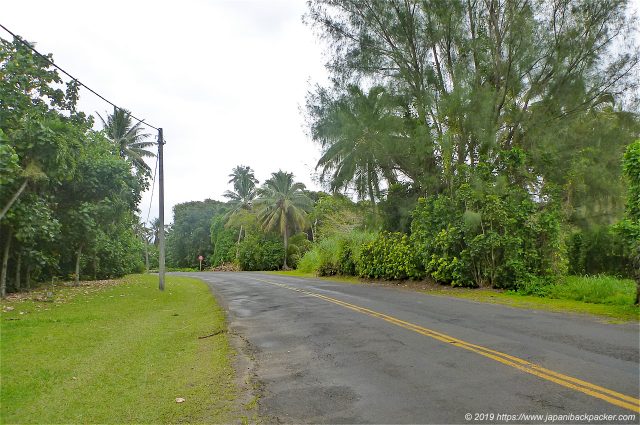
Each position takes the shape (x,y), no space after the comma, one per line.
(225,79)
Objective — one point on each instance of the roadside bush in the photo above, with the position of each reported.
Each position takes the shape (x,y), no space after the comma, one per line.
(488,232)
(389,256)
(298,247)
(337,254)
(535,285)
(310,261)
(327,256)
(350,248)
(261,252)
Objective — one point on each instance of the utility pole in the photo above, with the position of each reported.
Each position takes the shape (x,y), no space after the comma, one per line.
(161,209)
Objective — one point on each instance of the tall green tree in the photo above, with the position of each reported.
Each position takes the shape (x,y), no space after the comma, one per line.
(482,77)
(242,197)
(129,138)
(99,201)
(359,134)
(282,206)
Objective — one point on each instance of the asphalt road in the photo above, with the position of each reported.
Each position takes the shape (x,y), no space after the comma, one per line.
(328,352)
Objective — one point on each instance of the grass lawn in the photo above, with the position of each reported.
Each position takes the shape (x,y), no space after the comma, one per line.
(608,298)
(116,352)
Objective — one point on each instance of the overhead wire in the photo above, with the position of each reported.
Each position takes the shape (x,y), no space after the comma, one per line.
(153,187)
(80,84)
(29,46)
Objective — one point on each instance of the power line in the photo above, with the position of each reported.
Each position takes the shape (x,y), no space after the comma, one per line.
(28,45)
(153,187)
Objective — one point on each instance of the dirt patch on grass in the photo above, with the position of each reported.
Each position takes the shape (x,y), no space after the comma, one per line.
(59,293)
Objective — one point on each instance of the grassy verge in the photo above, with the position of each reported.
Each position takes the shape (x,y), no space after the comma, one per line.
(594,289)
(605,297)
(121,352)
(612,313)
(337,278)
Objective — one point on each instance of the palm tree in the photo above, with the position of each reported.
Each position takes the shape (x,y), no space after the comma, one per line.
(359,135)
(128,138)
(282,206)
(241,199)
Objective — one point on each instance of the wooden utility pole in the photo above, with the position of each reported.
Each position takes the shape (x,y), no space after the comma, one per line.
(161,210)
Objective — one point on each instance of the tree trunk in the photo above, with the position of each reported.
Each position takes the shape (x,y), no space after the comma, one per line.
(13,199)
(372,196)
(238,243)
(314,225)
(5,263)
(28,276)
(78,265)
(146,255)
(18,267)
(286,246)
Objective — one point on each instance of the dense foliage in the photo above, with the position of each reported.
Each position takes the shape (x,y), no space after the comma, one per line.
(489,133)
(261,252)
(68,197)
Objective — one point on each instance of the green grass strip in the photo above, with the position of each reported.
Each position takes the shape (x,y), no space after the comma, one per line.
(119,354)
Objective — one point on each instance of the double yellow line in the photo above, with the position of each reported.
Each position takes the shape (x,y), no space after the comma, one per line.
(610,396)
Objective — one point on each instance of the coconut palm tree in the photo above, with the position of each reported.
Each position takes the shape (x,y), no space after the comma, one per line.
(241,198)
(128,138)
(359,134)
(282,206)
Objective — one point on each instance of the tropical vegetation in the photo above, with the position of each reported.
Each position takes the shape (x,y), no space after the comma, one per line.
(69,194)
(474,144)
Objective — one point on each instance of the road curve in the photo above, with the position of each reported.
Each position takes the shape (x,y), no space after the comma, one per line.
(329,352)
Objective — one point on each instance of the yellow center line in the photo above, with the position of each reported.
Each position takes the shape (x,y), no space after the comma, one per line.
(610,396)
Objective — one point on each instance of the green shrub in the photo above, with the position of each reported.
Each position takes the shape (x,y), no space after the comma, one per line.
(328,256)
(488,232)
(335,255)
(538,286)
(389,256)
(261,252)
(349,250)
(299,244)
(310,262)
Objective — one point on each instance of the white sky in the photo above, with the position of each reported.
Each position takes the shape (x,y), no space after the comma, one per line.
(225,79)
